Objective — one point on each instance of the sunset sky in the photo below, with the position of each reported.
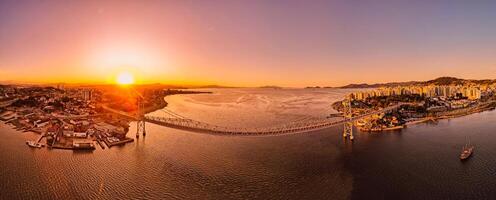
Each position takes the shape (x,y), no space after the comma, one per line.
(246,43)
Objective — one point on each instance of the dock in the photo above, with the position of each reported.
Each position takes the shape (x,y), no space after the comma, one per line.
(100,143)
(124,141)
(40,138)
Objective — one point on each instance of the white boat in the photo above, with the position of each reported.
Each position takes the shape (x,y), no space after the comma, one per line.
(467,151)
(33,144)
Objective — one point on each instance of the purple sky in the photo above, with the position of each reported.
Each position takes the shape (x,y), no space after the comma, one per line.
(247,43)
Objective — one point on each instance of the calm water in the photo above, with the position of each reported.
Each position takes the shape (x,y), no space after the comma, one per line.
(420,162)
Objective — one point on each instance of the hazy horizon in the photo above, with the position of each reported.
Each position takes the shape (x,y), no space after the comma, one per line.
(7,82)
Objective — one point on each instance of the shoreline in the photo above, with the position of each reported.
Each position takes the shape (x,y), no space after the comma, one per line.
(164,104)
(432,118)
(157,104)
(160,103)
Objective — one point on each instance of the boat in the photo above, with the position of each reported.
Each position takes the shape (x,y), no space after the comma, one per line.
(33,144)
(467,151)
(83,145)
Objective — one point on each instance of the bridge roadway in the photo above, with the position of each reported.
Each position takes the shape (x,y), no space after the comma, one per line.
(290,128)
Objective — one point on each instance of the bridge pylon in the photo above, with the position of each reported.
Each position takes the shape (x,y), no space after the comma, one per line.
(141,128)
(348,115)
(140,125)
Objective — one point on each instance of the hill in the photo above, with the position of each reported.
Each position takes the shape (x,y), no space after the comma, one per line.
(438,81)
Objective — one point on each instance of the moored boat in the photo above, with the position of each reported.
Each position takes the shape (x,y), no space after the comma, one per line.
(33,144)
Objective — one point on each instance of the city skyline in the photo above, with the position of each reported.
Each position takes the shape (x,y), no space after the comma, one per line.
(246,44)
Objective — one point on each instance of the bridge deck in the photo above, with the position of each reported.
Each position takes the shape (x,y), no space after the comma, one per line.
(191,125)
(290,128)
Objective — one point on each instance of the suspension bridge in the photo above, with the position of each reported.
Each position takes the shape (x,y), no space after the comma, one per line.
(177,121)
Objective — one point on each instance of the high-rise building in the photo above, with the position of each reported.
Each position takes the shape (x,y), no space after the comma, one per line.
(87,95)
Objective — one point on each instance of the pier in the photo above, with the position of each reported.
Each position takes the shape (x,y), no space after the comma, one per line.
(124,141)
(100,143)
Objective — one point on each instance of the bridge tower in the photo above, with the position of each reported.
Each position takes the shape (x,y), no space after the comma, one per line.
(140,125)
(348,125)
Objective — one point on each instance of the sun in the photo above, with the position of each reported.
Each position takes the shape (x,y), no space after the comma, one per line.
(125,78)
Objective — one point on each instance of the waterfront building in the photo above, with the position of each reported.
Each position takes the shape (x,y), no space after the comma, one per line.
(83,144)
(41,123)
(80,134)
(68,133)
(472,92)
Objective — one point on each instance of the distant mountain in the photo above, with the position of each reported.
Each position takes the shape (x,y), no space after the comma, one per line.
(8,82)
(437,81)
(376,85)
(445,81)
(313,87)
(210,86)
(457,81)
(270,87)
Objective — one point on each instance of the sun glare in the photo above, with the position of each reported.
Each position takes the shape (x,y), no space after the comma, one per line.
(125,78)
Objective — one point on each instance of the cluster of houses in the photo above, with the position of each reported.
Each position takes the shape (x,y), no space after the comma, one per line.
(68,119)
